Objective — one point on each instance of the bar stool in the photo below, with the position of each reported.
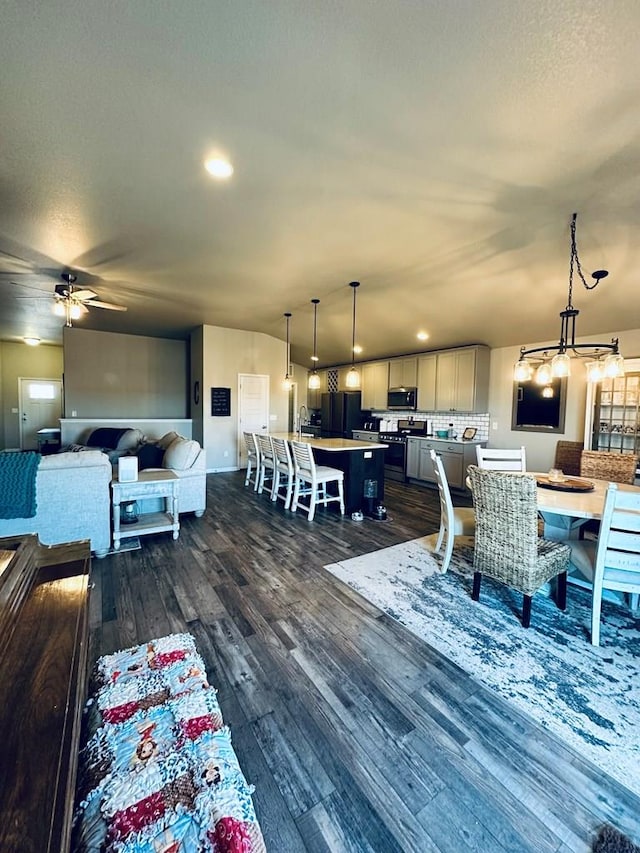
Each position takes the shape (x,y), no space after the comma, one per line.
(316,477)
(267,464)
(253,459)
(284,472)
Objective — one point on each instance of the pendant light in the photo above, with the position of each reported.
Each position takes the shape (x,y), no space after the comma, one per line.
(353,377)
(286,382)
(314,377)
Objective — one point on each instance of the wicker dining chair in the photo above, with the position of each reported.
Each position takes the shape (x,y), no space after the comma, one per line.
(614,467)
(567,458)
(507,546)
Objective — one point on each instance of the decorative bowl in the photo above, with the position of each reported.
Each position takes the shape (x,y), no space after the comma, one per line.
(442,433)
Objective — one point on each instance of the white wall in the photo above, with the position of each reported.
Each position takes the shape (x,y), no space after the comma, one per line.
(541,446)
(225,354)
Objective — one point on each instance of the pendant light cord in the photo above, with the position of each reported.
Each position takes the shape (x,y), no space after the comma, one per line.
(355,285)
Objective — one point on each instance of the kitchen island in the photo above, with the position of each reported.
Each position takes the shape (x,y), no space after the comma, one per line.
(360,461)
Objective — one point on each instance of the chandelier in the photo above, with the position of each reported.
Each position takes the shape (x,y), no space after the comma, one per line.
(547,363)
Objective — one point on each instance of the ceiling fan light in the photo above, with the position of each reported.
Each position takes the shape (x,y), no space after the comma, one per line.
(58,309)
(561,365)
(76,311)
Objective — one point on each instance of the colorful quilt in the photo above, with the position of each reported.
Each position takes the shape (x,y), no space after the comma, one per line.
(158,773)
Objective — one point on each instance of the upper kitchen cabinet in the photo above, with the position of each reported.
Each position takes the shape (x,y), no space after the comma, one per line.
(403,372)
(314,398)
(375,381)
(427,382)
(462,380)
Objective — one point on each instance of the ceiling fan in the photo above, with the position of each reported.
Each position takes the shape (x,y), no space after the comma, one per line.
(72,302)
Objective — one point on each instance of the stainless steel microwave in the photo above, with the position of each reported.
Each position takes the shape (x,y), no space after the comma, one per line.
(402,398)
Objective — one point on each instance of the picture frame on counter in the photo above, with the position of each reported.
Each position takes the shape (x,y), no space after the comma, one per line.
(469,433)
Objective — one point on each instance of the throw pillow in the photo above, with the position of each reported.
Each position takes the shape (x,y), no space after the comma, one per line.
(181,454)
(149,456)
(130,440)
(167,439)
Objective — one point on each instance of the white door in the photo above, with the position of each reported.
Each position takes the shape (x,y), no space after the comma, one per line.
(40,407)
(253,409)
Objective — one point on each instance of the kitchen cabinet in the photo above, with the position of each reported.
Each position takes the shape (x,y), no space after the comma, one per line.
(375,382)
(427,382)
(456,458)
(403,372)
(314,397)
(462,380)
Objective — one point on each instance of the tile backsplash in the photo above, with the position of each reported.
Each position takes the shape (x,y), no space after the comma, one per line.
(441,420)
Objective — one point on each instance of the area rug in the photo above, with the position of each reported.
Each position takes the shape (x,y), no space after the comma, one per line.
(588,696)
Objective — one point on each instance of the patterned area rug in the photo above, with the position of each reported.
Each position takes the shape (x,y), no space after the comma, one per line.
(589,697)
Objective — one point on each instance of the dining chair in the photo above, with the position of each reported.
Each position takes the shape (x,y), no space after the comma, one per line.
(454,521)
(267,464)
(284,472)
(615,467)
(499,459)
(311,480)
(613,561)
(253,459)
(567,457)
(507,545)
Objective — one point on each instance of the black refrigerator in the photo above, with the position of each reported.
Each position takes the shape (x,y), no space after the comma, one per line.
(341,413)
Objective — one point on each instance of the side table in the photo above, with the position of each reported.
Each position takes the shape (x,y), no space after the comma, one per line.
(150,484)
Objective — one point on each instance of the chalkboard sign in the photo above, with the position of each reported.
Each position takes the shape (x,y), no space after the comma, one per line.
(221,402)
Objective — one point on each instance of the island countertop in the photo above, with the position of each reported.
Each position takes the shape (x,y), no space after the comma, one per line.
(334,445)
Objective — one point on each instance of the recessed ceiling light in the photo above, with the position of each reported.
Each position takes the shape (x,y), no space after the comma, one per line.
(422,336)
(32,342)
(219,168)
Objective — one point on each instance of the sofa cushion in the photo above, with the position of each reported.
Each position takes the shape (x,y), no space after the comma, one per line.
(181,453)
(149,456)
(74,460)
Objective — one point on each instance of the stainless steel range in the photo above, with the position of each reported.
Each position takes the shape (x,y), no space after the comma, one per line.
(395,455)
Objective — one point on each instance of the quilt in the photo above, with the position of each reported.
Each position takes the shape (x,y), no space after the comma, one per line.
(158,773)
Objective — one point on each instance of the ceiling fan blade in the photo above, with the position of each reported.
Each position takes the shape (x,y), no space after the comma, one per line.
(97,304)
(83,295)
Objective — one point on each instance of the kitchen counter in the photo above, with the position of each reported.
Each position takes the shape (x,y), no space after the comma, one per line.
(332,445)
(360,460)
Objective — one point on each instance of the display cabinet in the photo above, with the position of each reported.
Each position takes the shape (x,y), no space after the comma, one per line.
(616,415)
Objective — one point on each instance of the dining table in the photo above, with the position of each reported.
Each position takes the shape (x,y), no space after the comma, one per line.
(565,508)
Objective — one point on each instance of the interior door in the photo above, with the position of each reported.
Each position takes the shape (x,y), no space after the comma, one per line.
(40,407)
(253,409)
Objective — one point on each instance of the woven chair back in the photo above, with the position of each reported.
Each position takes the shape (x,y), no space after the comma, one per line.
(567,458)
(615,467)
(506,545)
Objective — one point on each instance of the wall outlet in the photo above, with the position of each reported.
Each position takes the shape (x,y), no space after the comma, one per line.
(494,425)
(14,411)
(273,417)
(74,413)
(225,453)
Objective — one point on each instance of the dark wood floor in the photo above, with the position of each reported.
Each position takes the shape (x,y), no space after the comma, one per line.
(357,736)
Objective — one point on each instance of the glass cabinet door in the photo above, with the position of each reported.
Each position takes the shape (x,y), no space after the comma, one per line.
(616,425)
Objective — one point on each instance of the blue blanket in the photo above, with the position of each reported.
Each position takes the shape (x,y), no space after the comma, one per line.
(18,473)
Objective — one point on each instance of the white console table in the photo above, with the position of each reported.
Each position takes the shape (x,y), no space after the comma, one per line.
(150,484)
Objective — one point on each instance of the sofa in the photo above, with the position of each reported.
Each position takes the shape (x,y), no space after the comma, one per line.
(181,455)
(72,501)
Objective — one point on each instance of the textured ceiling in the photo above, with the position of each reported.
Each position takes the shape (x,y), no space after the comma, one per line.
(434,151)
